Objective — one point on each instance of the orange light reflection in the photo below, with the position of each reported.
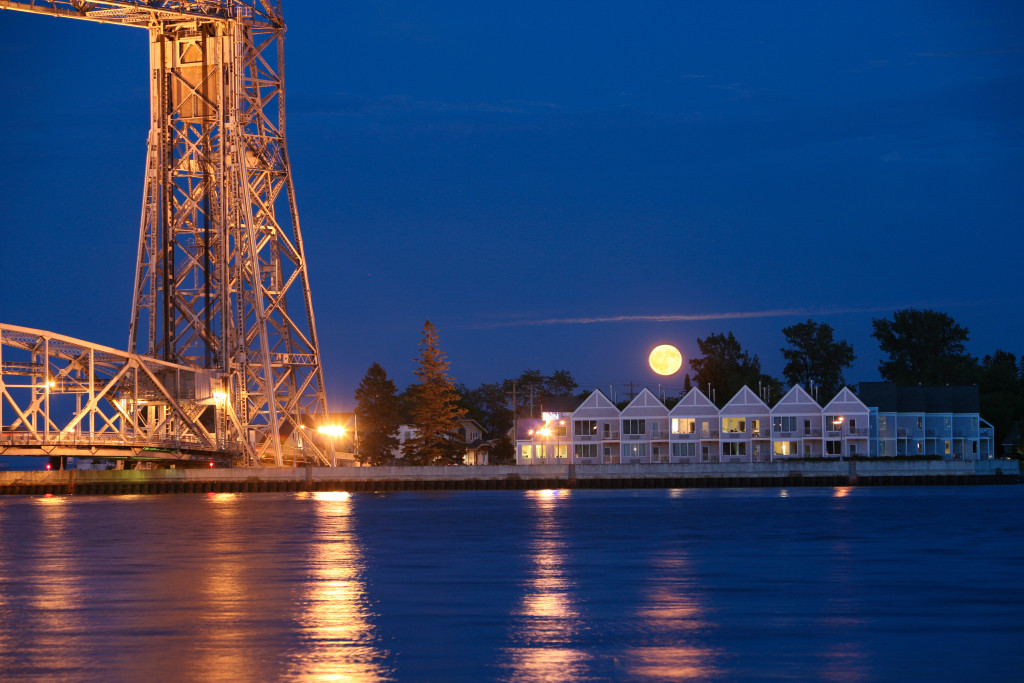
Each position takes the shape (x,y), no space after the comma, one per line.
(548,621)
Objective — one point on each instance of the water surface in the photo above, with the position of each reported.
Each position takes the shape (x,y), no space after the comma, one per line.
(849,584)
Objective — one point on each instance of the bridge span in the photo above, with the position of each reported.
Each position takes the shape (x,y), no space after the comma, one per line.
(61,396)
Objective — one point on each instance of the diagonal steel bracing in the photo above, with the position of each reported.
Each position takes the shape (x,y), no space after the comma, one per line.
(221,281)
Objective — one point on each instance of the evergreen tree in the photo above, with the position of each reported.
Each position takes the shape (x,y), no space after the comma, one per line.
(503,453)
(924,347)
(435,408)
(815,358)
(377,415)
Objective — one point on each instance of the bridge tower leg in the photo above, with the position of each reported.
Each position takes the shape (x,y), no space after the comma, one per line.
(221,280)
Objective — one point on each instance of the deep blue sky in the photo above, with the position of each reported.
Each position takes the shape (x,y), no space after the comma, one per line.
(493,165)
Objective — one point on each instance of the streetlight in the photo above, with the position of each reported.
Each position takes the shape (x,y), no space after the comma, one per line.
(838,424)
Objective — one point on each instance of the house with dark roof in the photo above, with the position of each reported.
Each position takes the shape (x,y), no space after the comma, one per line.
(919,420)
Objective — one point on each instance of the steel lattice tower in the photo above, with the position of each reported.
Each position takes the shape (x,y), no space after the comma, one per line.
(221,281)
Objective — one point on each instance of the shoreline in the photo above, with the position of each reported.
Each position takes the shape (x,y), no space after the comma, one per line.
(511,477)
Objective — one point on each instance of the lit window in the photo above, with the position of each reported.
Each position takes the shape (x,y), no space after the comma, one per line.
(734,425)
(562,451)
(684,425)
(526,452)
(785,448)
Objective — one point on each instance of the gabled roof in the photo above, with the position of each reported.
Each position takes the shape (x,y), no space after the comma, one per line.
(695,398)
(597,403)
(744,398)
(798,401)
(644,402)
(845,397)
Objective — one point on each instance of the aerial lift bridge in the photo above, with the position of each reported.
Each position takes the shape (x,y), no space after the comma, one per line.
(221,287)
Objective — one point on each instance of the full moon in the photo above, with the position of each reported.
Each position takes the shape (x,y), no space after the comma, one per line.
(665,359)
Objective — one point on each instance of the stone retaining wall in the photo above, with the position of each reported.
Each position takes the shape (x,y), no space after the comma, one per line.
(793,473)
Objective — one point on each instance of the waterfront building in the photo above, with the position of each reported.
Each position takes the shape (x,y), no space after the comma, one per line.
(927,421)
(882,421)
(796,426)
(694,426)
(743,423)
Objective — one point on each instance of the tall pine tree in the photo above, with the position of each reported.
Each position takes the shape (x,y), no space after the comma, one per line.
(378,417)
(435,408)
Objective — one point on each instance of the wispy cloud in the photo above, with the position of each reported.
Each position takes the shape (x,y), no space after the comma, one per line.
(683,317)
(737,315)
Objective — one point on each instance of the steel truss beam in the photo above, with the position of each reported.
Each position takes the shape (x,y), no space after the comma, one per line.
(221,281)
(60,395)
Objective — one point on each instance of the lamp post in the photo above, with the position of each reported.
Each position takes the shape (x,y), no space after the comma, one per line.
(332,432)
(839,426)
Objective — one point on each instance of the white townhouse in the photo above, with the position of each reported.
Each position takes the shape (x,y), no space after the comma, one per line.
(694,427)
(644,430)
(796,426)
(595,430)
(885,421)
(744,427)
(846,421)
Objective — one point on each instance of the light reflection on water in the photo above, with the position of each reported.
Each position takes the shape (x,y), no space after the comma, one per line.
(846,584)
(674,619)
(340,643)
(547,622)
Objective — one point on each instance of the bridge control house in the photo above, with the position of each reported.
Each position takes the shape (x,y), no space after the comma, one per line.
(884,420)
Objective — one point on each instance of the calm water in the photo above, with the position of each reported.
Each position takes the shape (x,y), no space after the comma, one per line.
(812,584)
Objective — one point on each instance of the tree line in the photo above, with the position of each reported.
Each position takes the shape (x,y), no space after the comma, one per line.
(922,346)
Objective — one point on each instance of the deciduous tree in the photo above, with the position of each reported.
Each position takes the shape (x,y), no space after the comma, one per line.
(377,414)
(815,358)
(924,347)
(435,408)
(725,367)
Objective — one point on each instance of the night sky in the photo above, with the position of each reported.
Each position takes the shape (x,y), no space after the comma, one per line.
(538,178)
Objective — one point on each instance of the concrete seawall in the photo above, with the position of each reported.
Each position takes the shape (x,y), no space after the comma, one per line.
(499,477)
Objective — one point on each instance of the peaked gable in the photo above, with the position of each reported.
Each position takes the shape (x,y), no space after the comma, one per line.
(597,405)
(846,399)
(645,402)
(743,401)
(695,398)
(796,400)
(694,404)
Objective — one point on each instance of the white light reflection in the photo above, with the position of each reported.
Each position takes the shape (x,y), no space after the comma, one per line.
(548,622)
(54,600)
(673,617)
(340,642)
